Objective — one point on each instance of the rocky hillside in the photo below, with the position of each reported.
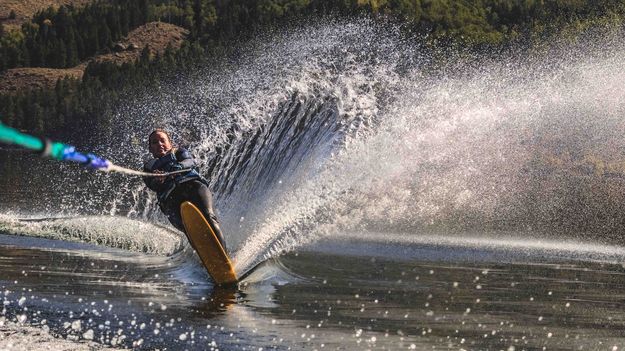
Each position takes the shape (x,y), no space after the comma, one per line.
(155,36)
(15,12)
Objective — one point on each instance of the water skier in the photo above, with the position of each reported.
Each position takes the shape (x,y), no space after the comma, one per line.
(173,190)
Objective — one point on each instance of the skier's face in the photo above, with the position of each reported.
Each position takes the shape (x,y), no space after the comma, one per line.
(159,144)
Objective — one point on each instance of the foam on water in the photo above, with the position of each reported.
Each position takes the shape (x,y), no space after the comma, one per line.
(116,232)
(21,337)
(473,247)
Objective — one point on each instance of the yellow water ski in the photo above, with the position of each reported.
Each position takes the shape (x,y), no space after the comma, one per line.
(207,246)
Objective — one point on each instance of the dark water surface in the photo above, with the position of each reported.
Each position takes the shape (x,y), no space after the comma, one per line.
(315,300)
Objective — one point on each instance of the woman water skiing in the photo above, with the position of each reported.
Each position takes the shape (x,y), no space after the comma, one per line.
(173,190)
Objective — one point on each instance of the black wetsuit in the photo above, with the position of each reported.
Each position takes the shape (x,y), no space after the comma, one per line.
(176,189)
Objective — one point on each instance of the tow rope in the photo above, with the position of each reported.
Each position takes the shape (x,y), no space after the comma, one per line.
(63,152)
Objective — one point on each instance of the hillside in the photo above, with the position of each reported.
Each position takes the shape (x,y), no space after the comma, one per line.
(155,36)
(28,78)
(94,39)
(25,9)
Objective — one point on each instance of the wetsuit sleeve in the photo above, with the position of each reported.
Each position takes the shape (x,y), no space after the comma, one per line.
(185,158)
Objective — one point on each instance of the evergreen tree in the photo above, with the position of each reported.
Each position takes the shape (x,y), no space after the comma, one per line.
(71,49)
(59,54)
(7,109)
(124,22)
(198,18)
(105,39)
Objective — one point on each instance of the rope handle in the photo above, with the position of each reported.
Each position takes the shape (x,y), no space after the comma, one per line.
(114,168)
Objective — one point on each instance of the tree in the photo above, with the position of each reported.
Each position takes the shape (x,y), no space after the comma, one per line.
(105,39)
(407,9)
(59,54)
(72,49)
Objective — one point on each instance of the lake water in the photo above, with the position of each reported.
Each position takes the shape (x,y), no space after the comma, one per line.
(380,197)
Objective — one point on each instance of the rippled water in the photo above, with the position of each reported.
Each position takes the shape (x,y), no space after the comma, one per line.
(341,294)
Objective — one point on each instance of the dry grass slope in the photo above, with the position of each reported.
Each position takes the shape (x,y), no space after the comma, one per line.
(156,36)
(25,9)
(29,78)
